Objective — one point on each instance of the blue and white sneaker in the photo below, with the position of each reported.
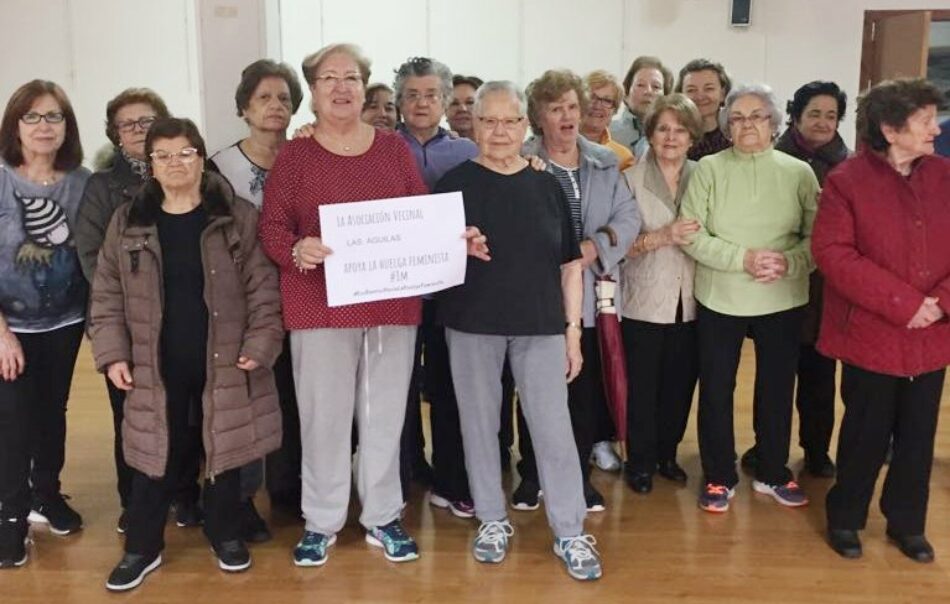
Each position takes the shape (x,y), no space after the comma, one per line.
(491,543)
(312,549)
(789,494)
(580,557)
(396,544)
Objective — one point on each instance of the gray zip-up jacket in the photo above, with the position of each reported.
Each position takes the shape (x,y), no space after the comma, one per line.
(610,217)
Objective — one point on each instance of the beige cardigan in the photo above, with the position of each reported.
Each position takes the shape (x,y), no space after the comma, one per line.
(654,282)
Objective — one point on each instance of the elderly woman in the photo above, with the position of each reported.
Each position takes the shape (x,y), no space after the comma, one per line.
(605,221)
(659,312)
(881,243)
(423,88)
(42,306)
(266,97)
(185,319)
(380,110)
(605,95)
(518,304)
(755,207)
(646,79)
(706,84)
(128,117)
(812,136)
(349,361)
(459,111)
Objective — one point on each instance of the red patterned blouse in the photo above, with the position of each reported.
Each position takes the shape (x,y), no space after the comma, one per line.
(307,175)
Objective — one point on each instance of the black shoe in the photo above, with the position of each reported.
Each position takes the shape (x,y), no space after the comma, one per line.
(54,511)
(593,498)
(233,556)
(13,540)
(750,459)
(123,524)
(820,465)
(915,547)
(525,497)
(131,571)
(845,542)
(253,527)
(671,470)
(188,514)
(640,482)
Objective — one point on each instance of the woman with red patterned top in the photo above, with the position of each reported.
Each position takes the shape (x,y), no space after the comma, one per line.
(350,360)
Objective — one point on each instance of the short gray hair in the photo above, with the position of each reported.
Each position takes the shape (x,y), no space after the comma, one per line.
(764,93)
(421,67)
(504,86)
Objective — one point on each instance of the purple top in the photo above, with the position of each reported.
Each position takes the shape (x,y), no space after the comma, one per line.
(439,154)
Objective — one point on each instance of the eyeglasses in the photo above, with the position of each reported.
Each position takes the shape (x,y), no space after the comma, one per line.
(186,155)
(430,97)
(351,80)
(51,117)
(509,123)
(603,101)
(741,120)
(144,123)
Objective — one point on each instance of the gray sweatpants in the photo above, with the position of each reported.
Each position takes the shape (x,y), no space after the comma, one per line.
(339,372)
(538,364)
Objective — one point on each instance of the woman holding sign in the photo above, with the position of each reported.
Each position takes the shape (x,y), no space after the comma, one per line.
(352,360)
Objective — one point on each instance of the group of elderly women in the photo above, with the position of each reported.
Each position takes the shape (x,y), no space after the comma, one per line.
(198,264)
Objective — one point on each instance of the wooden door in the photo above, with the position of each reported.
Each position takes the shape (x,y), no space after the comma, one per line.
(896,45)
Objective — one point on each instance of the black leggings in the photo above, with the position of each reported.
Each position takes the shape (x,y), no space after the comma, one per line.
(33,419)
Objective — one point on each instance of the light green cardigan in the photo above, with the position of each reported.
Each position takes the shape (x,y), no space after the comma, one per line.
(743,201)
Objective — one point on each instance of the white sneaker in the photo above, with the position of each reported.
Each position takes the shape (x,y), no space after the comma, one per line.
(604,457)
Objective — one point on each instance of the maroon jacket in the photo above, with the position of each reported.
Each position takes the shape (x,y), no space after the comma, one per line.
(882,242)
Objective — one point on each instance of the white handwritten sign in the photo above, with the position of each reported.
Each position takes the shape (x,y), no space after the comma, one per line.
(393,248)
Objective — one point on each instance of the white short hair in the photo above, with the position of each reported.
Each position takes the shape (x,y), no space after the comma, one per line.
(761,91)
(504,86)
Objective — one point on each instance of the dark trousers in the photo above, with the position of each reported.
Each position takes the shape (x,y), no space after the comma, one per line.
(586,391)
(814,399)
(153,496)
(506,434)
(662,368)
(720,339)
(449,478)
(33,419)
(123,473)
(878,410)
(412,455)
(283,465)
(188,489)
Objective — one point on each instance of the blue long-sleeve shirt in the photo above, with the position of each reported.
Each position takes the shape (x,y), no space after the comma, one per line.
(439,154)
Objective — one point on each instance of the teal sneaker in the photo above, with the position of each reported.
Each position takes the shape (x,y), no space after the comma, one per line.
(580,557)
(312,549)
(491,543)
(396,544)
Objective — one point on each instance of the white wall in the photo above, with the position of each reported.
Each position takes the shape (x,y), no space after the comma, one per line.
(790,42)
(95,48)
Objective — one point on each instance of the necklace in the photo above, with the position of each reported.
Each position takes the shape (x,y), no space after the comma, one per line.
(40,180)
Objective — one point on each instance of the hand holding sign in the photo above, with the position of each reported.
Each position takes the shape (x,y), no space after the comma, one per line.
(477,243)
(394,248)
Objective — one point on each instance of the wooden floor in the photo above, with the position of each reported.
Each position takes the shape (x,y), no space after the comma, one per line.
(656,548)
